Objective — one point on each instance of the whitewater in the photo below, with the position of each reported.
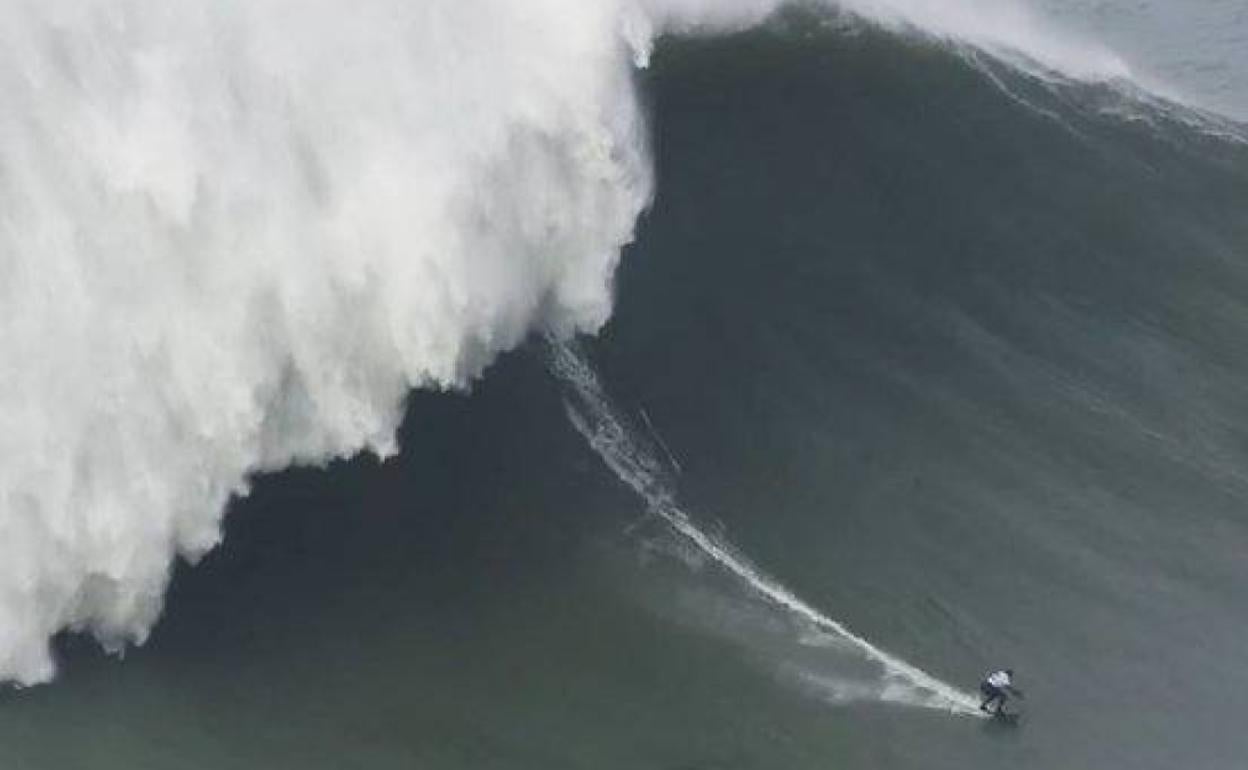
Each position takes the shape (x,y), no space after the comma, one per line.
(235,236)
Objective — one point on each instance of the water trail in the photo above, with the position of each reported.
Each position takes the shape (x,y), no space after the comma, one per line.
(593,414)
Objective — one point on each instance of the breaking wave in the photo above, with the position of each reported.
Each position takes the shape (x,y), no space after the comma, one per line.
(234,237)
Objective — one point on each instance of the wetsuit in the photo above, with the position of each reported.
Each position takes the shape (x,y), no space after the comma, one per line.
(996,689)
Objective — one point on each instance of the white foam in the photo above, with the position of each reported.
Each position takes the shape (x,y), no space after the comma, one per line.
(234,235)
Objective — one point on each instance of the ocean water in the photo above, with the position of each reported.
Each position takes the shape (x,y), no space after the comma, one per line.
(735,388)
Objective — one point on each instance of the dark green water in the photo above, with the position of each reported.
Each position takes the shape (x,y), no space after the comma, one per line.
(956,355)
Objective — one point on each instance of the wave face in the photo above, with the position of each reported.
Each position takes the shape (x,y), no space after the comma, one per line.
(636,462)
(958,353)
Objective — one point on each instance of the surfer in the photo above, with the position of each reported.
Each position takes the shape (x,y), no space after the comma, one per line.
(997,687)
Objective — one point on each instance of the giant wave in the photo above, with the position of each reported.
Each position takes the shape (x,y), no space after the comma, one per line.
(236,237)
